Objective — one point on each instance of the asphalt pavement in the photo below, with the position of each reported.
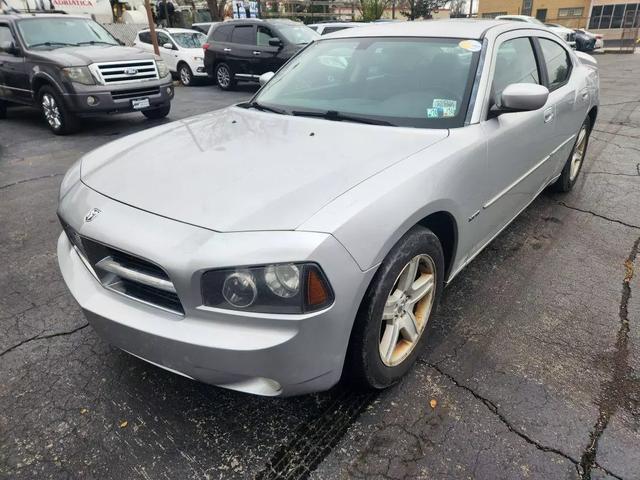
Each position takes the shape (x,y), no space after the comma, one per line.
(532,368)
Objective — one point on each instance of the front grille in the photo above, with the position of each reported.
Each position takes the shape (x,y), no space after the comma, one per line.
(134,93)
(127,274)
(126,72)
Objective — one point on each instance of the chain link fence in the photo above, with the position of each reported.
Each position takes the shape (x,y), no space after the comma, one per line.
(125,32)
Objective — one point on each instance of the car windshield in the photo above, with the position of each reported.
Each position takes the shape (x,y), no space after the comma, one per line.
(415,82)
(297,34)
(55,32)
(189,39)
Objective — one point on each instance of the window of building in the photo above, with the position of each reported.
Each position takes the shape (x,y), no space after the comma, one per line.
(527,5)
(493,14)
(570,12)
(620,15)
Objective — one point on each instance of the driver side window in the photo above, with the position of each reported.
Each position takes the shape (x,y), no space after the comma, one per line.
(163,38)
(264,35)
(515,63)
(6,38)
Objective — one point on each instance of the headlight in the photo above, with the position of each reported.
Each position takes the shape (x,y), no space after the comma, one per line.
(278,288)
(163,70)
(199,59)
(79,75)
(70,179)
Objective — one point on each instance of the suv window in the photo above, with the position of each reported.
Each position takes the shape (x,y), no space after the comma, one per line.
(515,63)
(264,34)
(332,29)
(6,37)
(557,61)
(243,34)
(221,34)
(145,37)
(163,38)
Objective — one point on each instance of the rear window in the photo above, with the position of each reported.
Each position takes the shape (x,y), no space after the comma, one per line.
(221,33)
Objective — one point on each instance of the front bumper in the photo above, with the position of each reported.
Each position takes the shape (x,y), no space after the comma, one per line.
(265,354)
(118,98)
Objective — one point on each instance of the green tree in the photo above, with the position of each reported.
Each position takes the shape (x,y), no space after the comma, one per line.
(422,8)
(371,10)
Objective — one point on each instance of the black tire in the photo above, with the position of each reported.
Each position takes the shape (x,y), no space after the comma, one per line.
(3,109)
(185,75)
(157,113)
(569,176)
(224,77)
(58,117)
(364,364)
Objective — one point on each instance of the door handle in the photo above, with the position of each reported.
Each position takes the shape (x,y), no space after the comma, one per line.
(226,49)
(548,115)
(256,52)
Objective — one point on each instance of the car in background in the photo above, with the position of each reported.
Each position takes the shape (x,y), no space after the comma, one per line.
(330,27)
(587,41)
(180,48)
(242,50)
(71,67)
(204,27)
(566,34)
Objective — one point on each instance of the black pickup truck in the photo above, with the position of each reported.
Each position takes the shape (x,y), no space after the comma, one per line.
(71,67)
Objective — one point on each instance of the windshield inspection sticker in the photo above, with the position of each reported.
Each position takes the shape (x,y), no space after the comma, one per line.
(470,45)
(448,106)
(434,112)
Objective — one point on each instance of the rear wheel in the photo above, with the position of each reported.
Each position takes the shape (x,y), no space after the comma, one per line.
(572,168)
(185,74)
(225,77)
(156,113)
(60,120)
(389,330)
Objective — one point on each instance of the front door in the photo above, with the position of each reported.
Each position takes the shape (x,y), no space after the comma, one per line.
(518,143)
(240,55)
(14,82)
(265,57)
(169,55)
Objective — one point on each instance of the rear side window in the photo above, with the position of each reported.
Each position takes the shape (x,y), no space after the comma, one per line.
(243,34)
(515,63)
(222,33)
(332,29)
(557,61)
(145,37)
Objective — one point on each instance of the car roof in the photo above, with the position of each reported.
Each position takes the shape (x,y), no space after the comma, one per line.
(453,28)
(21,15)
(338,24)
(172,30)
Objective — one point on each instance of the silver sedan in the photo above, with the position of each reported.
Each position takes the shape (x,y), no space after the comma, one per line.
(279,245)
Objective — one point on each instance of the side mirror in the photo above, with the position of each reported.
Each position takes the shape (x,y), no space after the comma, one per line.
(522,97)
(9,47)
(265,77)
(275,42)
(168,46)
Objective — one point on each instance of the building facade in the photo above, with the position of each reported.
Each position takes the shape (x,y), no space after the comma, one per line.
(571,13)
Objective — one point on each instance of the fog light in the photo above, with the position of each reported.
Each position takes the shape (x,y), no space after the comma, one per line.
(91,100)
(169,90)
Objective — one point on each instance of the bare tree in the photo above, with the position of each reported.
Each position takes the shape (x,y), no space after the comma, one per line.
(457,8)
(216,7)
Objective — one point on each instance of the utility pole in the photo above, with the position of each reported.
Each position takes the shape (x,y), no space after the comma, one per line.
(152,27)
(470,8)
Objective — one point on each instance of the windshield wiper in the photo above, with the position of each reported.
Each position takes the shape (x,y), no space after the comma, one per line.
(95,42)
(264,108)
(52,44)
(340,117)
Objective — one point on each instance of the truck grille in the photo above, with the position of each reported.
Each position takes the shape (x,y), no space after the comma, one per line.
(127,274)
(126,71)
(134,93)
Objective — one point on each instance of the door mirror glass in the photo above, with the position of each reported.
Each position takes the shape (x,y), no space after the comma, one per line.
(275,42)
(522,97)
(168,46)
(265,77)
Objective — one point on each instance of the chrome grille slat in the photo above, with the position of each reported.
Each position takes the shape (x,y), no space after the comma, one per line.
(108,264)
(110,73)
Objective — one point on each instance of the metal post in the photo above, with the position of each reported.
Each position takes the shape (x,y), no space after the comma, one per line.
(470,8)
(152,27)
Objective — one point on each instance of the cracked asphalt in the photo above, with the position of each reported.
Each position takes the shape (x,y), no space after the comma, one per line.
(532,369)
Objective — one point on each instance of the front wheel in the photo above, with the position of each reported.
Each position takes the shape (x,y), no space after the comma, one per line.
(389,330)
(185,75)
(572,168)
(60,120)
(157,113)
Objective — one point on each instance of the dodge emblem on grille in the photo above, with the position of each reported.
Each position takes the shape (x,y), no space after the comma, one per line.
(130,71)
(93,213)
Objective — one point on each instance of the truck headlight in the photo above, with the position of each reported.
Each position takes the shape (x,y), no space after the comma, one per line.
(163,70)
(79,75)
(276,288)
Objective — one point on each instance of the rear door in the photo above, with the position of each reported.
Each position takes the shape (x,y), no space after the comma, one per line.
(240,52)
(219,46)
(14,81)
(518,143)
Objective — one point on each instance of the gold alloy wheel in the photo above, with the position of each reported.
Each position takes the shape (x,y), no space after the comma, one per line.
(407,310)
(578,153)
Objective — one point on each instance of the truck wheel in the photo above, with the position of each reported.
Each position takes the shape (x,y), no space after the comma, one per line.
(225,77)
(60,120)
(3,109)
(157,113)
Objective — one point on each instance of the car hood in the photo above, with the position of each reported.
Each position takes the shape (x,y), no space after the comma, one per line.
(237,169)
(82,56)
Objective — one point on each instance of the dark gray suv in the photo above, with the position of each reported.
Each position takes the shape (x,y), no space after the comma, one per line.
(71,67)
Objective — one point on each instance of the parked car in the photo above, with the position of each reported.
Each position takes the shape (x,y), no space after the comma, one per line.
(204,27)
(242,50)
(71,67)
(180,48)
(566,34)
(587,41)
(330,27)
(307,234)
